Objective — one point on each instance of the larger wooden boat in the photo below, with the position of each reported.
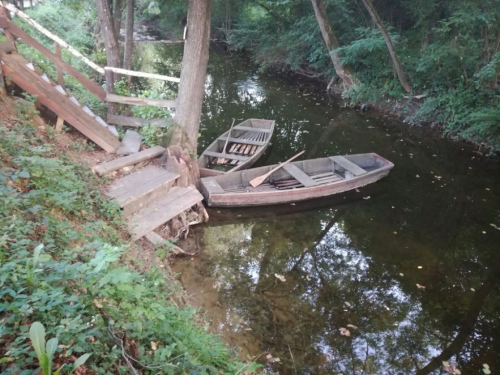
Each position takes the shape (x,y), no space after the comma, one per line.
(247,142)
(295,181)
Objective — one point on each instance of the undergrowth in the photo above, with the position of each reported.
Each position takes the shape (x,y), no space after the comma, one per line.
(62,263)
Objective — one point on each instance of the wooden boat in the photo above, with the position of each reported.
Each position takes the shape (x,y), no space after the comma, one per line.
(247,142)
(296,181)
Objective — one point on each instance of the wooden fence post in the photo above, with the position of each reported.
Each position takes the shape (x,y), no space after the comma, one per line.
(110,88)
(60,82)
(5,13)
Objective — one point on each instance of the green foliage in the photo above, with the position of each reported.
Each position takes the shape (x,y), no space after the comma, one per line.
(77,283)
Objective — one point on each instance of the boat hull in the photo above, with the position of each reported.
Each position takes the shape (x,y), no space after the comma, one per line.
(216,197)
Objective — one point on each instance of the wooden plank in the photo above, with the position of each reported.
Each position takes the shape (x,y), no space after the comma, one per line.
(139,101)
(133,180)
(212,186)
(249,128)
(155,238)
(4,23)
(299,175)
(137,198)
(120,163)
(133,121)
(7,47)
(348,165)
(162,210)
(46,94)
(245,141)
(90,85)
(226,156)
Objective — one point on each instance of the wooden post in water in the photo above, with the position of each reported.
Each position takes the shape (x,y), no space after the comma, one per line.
(60,82)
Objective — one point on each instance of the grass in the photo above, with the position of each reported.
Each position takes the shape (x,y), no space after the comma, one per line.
(79,283)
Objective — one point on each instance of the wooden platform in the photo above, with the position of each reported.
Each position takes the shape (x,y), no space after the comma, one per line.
(162,210)
(141,188)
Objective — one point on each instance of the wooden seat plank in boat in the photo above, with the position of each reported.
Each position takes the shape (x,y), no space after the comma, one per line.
(213,186)
(242,140)
(250,129)
(226,156)
(300,176)
(348,165)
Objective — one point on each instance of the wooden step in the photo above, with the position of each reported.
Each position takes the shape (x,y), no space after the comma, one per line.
(348,165)
(140,188)
(120,163)
(15,68)
(162,210)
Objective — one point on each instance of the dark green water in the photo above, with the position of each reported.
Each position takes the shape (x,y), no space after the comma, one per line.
(412,262)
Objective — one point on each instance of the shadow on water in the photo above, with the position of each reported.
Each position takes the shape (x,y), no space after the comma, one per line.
(408,265)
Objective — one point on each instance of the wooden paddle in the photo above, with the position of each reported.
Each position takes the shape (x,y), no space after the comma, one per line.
(259,180)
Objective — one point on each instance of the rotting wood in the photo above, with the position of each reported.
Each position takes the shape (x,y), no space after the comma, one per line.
(120,163)
(140,101)
(30,81)
(90,85)
(133,121)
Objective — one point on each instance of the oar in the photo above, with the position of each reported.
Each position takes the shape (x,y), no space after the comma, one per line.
(228,135)
(259,180)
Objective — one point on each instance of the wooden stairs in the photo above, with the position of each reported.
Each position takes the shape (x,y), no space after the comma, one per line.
(54,97)
(149,196)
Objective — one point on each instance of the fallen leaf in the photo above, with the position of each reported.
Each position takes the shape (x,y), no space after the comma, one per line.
(352,326)
(358,191)
(418,176)
(248,329)
(292,204)
(419,267)
(401,274)
(420,286)
(494,226)
(473,289)
(269,356)
(344,332)
(395,232)
(97,304)
(153,345)
(368,197)
(347,304)
(280,277)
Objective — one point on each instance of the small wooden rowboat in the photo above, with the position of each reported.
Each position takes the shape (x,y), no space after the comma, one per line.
(247,142)
(296,181)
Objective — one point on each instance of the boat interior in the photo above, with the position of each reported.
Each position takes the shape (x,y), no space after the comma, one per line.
(307,173)
(245,140)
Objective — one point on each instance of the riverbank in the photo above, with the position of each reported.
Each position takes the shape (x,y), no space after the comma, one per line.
(66,262)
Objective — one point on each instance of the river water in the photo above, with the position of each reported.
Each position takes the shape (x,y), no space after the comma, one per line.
(409,266)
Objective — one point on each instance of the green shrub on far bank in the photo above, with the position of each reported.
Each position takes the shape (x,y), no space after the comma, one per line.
(63,263)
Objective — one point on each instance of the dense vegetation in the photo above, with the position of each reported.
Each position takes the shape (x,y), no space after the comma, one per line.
(65,263)
(449,50)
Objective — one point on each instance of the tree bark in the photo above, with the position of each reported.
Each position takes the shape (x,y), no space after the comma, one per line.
(117,17)
(129,38)
(390,46)
(332,44)
(193,73)
(108,32)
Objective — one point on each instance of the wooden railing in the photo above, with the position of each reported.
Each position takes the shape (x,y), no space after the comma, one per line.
(12,30)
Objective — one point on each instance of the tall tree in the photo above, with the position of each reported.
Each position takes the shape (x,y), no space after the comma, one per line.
(108,33)
(390,46)
(332,44)
(117,16)
(129,36)
(193,73)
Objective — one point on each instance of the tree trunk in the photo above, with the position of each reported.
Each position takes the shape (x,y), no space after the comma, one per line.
(332,44)
(193,73)
(395,60)
(129,37)
(108,32)
(117,17)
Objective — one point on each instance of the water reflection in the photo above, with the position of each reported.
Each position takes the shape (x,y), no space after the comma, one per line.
(409,262)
